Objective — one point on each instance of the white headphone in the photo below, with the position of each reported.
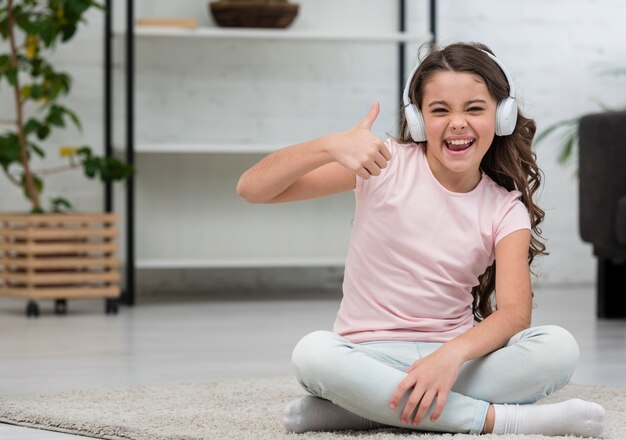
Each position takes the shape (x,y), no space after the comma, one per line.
(506,111)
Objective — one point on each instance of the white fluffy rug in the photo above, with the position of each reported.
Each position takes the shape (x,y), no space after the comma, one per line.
(227,409)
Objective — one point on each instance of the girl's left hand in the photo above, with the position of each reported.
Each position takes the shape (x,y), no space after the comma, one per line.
(431,377)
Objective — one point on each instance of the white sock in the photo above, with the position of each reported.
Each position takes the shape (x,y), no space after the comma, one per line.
(310,413)
(572,417)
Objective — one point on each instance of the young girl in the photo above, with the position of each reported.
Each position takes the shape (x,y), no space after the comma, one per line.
(444,218)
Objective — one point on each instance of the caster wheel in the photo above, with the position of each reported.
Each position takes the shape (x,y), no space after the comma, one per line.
(110,306)
(60,306)
(32,309)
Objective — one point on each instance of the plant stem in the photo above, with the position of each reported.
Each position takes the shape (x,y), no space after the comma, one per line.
(42,171)
(11,178)
(57,169)
(29,181)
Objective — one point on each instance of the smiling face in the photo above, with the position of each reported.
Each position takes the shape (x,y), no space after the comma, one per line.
(460,119)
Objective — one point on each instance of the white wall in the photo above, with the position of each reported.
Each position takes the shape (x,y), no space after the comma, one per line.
(240,90)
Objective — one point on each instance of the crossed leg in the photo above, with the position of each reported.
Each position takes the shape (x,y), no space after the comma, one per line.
(360,379)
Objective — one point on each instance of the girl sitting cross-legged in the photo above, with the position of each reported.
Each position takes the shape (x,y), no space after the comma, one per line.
(445,221)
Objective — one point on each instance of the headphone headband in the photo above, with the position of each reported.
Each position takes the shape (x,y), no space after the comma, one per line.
(507,75)
(405,94)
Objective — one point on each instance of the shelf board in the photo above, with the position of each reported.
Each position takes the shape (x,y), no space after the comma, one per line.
(278,34)
(198,148)
(235,263)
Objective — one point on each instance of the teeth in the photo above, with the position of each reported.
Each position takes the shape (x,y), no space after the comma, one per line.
(459,142)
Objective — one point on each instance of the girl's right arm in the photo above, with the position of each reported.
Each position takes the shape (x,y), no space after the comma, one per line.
(322,166)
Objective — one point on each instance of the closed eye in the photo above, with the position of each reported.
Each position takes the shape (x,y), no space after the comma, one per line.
(439,110)
(475,109)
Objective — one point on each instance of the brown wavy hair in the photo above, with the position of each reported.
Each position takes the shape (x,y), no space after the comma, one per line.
(510,161)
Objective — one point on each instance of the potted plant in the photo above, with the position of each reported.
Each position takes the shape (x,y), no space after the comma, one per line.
(55,253)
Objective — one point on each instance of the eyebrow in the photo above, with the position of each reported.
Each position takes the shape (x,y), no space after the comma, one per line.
(473,101)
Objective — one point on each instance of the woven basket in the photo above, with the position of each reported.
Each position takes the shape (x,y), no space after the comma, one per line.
(252,14)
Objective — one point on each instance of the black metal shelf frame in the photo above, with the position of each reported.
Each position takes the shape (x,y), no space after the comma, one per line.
(128,295)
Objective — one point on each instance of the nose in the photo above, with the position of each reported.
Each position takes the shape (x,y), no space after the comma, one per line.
(458,122)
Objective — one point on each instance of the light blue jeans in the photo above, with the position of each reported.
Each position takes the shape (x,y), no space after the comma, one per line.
(363,377)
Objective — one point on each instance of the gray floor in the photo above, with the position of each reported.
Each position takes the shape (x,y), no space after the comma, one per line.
(200,339)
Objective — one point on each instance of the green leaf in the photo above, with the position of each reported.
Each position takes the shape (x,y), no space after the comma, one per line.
(4,28)
(74,118)
(85,152)
(108,169)
(60,204)
(68,32)
(10,150)
(11,75)
(23,21)
(38,151)
(554,127)
(116,170)
(37,91)
(36,67)
(75,8)
(32,125)
(98,5)
(66,82)
(566,152)
(38,184)
(5,62)
(48,31)
(55,116)
(43,132)
(90,167)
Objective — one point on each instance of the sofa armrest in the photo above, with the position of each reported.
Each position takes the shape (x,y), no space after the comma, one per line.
(602,180)
(620,221)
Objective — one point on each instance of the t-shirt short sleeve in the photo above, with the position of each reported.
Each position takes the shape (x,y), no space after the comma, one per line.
(514,216)
(363,185)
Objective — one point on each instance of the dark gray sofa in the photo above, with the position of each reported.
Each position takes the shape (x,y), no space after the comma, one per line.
(602,205)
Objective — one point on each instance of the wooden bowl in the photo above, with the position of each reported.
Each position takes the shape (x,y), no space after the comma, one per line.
(253,14)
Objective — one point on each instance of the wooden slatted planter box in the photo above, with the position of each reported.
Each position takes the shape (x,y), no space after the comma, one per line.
(59,257)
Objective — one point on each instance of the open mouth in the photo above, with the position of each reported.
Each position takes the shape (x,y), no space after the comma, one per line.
(459,144)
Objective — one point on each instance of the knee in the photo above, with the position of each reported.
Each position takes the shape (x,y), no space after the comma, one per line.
(560,353)
(311,352)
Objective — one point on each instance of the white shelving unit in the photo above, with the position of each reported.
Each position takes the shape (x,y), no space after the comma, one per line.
(208,148)
(282,254)
(223,263)
(280,34)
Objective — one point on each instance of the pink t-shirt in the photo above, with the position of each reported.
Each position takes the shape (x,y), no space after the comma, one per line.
(417,249)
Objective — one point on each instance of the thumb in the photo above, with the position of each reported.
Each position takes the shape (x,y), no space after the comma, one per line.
(370,118)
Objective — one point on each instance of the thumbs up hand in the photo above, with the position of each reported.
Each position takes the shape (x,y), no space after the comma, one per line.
(359,150)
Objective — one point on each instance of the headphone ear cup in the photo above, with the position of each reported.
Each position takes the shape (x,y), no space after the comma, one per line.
(506,116)
(415,121)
